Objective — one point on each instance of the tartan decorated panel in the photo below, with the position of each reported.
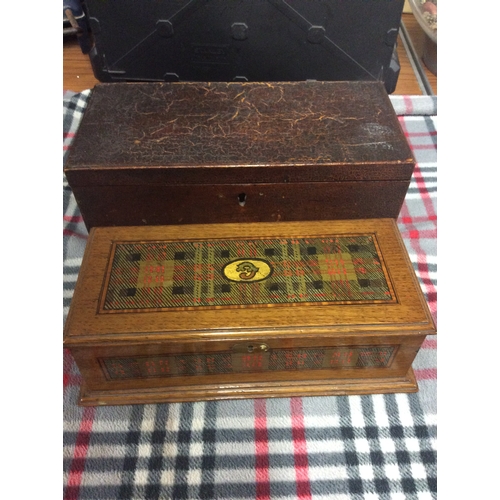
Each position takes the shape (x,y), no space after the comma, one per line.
(164,274)
(235,362)
(378,447)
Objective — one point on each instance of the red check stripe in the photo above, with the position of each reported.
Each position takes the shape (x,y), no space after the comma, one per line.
(73,218)
(417,219)
(261,451)
(424,193)
(67,140)
(429,344)
(422,188)
(71,380)
(422,146)
(409,135)
(408,104)
(426,374)
(300,450)
(415,234)
(81,447)
(422,266)
(418,134)
(69,232)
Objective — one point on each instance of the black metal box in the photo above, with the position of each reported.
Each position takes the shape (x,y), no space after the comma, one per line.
(245,40)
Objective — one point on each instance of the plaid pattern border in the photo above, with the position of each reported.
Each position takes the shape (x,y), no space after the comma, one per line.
(356,447)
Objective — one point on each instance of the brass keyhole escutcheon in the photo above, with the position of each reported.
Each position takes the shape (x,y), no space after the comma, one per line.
(251,348)
(260,347)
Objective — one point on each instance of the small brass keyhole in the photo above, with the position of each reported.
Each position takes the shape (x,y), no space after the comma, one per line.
(260,347)
(251,348)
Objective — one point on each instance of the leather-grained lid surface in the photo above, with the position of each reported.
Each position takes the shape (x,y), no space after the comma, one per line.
(315,131)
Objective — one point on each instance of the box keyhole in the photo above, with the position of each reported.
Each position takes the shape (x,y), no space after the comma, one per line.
(260,347)
(242,198)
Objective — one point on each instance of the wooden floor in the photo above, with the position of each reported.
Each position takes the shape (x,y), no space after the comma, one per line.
(78,75)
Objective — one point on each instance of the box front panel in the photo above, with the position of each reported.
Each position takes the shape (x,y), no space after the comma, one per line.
(245,362)
(198,204)
(221,363)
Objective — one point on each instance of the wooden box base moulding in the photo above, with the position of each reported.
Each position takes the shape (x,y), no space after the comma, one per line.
(220,311)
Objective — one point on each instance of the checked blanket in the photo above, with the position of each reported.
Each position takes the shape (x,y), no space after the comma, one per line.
(344,447)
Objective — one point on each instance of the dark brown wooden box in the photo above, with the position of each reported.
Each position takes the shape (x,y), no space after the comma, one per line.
(184,153)
(193,312)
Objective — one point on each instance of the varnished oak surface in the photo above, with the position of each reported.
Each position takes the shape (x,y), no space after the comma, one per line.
(94,335)
(410,315)
(339,387)
(78,75)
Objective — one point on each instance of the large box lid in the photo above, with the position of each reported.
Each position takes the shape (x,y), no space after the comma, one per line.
(199,133)
(222,281)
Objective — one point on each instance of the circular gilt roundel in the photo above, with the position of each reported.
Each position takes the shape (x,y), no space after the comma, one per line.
(247,270)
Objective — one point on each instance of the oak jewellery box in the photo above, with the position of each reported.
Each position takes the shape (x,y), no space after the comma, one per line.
(202,153)
(216,311)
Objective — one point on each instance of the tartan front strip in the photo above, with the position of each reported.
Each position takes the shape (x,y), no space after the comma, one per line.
(355,447)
